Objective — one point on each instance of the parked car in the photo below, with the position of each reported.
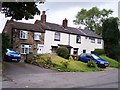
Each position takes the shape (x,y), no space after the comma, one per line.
(12,55)
(85,57)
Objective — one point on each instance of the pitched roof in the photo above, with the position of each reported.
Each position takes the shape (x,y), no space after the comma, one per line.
(90,33)
(25,26)
(70,30)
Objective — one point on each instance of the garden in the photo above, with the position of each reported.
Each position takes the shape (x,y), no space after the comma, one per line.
(59,62)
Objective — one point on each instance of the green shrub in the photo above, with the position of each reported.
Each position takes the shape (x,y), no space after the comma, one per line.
(44,61)
(99,51)
(70,58)
(91,63)
(114,52)
(65,63)
(63,52)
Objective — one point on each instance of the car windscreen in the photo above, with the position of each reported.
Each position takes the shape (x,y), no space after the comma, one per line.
(14,52)
(94,56)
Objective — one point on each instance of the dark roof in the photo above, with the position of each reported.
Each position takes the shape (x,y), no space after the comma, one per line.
(60,28)
(90,33)
(25,26)
(70,30)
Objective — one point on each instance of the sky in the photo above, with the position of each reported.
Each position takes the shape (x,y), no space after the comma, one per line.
(57,11)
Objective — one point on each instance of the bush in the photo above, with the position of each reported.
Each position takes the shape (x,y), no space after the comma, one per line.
(114,52)
(62,52)
(99,51)
(65,64)
(70,58)
(44,61)
(91,63)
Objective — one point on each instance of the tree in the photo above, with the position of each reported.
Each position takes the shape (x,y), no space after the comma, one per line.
(19,10)
(111,37)
(5,42)
(92,19)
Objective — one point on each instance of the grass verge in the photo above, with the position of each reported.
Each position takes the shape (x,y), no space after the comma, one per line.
(112,62)
(72,65)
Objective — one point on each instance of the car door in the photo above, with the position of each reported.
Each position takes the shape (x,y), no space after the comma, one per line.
(88,58)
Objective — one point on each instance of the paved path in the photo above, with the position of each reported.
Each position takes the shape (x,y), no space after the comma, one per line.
(21,75)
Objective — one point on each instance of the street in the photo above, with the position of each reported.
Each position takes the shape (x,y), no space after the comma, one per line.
(22,75)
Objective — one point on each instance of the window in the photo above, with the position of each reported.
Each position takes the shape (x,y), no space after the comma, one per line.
(75,51)
(37,36)
(78,39)
(23,34)
(57,36)
(99,41)
(25,49)
(92,40)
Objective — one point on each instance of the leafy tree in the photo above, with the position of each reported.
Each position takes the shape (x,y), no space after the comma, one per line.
(111,37)
(92,19)
(5,42)
(19,10)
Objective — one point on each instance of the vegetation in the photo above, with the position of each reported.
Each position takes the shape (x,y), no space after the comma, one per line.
(99,51)
(19,10)
(52,61)
(111,37)
(91,63)
(63,52)
(112,62)
(5,42)
(92,19)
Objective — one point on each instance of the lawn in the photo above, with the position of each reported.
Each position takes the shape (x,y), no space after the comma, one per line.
(112,62)
(72,64)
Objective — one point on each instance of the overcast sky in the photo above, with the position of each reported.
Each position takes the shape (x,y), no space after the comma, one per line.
(57,11)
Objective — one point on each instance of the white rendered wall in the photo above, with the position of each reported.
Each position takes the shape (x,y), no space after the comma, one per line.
(64,39)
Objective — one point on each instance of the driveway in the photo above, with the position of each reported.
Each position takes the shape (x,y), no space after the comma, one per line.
(21,75)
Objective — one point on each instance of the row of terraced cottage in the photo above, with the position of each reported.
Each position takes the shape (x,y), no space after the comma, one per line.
(44,37)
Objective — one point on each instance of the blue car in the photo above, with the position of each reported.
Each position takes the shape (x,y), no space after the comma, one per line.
(85,57)
(12,55)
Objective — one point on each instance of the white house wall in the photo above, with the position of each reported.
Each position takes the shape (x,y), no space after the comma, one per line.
(64,39)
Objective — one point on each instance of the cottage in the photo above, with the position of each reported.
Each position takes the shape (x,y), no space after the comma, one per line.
(44,37)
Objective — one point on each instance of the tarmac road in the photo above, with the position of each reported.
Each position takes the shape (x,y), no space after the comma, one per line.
(22,75)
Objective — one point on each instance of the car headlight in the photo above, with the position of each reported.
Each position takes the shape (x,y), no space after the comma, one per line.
(101,62)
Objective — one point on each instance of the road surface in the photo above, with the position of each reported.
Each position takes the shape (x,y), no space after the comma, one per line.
(21,75)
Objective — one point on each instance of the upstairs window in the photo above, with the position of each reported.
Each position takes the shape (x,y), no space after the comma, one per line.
(25,49)
(78,39)
(92,40)
(99,41)
(37,36)
(57,36)
(23,34)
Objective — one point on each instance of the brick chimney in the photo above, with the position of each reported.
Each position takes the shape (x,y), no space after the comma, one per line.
(64,24)
(43,18)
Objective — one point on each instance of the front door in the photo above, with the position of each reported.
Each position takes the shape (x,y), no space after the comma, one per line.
(40,49)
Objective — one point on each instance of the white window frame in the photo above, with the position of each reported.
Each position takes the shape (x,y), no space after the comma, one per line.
(24,48)
(92,40)
(99,41)
(23,34)
(57,36)
(37,36)
(78,39)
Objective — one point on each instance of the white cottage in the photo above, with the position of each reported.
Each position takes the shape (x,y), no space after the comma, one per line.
(76,40)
